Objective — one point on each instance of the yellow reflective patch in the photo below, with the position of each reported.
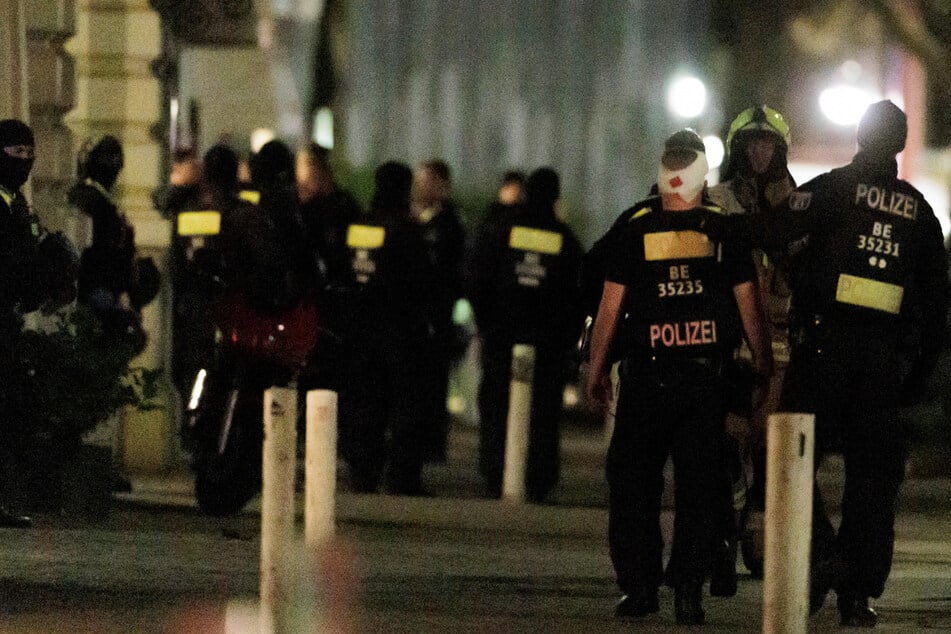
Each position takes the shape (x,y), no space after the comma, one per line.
(7,198)
(641,212)
(676,245)
(199,223)
(537,240)
(250,196)
(365,237)
(860,291)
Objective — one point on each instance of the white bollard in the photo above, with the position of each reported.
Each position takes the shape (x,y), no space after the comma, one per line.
(277,494)
(790,441)
(517,424)
(320,467)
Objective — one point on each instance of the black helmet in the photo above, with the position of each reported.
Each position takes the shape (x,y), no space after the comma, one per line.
(883,128)
(393,182)
(220,167)
(273,165)
(14,167)
(100,159)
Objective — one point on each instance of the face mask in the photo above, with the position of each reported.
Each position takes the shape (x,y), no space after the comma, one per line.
(14,171)
(688,182)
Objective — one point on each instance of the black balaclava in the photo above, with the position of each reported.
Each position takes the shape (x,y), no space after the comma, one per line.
(101,160)
(273,165)
(542,189)
(883,129)
(14,171)
(393,182)
(220,168)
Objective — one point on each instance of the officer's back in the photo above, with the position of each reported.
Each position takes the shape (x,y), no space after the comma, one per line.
(389,279)
(524,271)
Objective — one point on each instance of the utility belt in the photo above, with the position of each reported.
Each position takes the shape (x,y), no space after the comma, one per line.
(813,333)
(671,367)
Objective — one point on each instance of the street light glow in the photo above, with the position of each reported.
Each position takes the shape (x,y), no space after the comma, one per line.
(687,97)
(844,104)
(715,150)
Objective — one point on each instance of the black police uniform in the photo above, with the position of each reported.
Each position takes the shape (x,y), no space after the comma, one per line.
(523,278)
(680,324)
(386,329)
(445,241)
(868,277)
(35,268)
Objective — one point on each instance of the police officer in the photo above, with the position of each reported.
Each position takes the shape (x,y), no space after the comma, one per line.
(868,274)
(36,269)
(524,287)
(220,242)
(274,179)
(435,212)
(326,209)
(679,292)
(106,265)
(390,282)
(756,181)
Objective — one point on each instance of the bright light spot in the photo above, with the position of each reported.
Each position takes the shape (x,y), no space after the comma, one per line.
(896,98)
(844,105)
(851,70)
(937,195)
(324,128)
(259,137)
(570,396)
(715,150)
(687,97)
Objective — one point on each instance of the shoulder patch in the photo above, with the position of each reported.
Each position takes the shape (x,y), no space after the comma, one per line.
(643,211)
(798,201)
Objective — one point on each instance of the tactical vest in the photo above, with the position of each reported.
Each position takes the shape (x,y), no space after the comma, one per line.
(364,244)
(864,271)
(531,254)
(680,304)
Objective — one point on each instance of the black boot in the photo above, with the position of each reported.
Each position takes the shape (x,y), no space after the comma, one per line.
(687,604)
(723,574)
(641,601)
(855,611)
(825,575)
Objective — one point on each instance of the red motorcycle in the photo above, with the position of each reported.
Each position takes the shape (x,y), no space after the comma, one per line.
(255,350)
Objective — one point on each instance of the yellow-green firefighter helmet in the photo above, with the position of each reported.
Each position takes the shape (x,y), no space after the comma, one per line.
(758,119)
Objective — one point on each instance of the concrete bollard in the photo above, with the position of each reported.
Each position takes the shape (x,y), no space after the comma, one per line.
(320,467)
(790,442)
(277,494)
(517,424)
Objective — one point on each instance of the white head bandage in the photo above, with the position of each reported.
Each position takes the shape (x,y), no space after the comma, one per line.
(688,182)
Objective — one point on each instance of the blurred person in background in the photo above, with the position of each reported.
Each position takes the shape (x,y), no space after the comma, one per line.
(523,283)
(435,212)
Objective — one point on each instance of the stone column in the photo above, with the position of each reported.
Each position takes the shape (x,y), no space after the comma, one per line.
(114,44)
(14,99)
(51,86)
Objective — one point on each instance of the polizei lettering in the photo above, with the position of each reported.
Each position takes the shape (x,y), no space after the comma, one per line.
(882,199)
(683,333)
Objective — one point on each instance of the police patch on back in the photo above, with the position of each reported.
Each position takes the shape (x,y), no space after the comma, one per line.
(535,244)
(799,201)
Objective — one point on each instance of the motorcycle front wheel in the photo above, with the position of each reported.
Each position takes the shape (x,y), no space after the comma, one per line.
(227,480)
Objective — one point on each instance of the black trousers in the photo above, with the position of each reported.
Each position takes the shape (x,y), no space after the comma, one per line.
(853,388)
(544,436)
(674,412)
(382,408)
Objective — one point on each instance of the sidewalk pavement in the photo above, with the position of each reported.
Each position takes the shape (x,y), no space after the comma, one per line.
(577,507)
